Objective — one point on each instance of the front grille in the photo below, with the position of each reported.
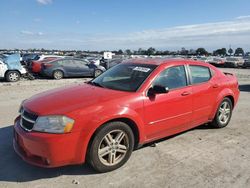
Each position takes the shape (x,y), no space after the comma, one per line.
(28,120)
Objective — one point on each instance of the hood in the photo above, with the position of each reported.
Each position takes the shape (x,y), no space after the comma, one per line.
(67,99)
(13,62)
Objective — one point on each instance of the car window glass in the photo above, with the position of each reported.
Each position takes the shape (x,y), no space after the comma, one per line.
(125,77)
(174,77)
(80,63)
(69,63)
(59,62)
(199,74)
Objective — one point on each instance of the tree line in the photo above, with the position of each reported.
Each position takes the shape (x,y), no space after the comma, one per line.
(150,51)
(199,51)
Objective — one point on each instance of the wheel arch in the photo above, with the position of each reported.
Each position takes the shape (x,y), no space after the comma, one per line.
(231,99)
(225,93)
(131,123)
(12,70)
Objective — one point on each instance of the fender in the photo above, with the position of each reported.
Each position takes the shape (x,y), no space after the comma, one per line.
(110,114)
(225,92)
(102,117)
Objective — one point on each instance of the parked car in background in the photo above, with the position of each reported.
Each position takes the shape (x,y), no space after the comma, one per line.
(2,56)
(203,59)
(27,58)
(246,62)
(95,60)
(70,67)
(110,63)
(11,68)
(44,57)
(234,62)
(217,61)
(136,102)
(36,66)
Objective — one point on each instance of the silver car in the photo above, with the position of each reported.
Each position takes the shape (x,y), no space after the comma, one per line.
(234,62)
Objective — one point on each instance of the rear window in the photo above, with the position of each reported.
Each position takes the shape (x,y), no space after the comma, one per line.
(199,74)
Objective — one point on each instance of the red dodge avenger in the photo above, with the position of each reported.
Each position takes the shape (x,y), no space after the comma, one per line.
(101,122)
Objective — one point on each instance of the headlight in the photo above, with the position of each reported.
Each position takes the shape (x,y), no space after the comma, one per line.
(53,124)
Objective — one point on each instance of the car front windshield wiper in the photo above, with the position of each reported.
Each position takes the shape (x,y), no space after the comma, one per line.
(95,84)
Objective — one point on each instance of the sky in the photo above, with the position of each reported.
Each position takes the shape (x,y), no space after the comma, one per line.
(127,24)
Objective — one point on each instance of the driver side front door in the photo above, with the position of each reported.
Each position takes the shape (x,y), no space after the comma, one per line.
(169,113)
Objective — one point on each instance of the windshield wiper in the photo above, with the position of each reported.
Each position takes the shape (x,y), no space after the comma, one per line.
(95,84)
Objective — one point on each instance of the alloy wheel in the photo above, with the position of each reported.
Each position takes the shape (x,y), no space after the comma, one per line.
(224,112)
(58,75)
(113,147)
(98,72)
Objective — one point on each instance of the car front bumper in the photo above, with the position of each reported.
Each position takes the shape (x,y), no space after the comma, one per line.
(47,150)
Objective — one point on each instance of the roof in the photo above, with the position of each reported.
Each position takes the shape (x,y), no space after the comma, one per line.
(158,61)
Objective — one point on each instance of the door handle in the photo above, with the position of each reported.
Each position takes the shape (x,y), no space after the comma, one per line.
(215,86)
(185,93)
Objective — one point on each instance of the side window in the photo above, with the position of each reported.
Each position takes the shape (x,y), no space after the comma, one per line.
(199,74)
(80,63)
(59,62)
(173,77)
(69,63)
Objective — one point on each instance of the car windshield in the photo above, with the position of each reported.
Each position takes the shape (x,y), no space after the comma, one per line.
(124,77)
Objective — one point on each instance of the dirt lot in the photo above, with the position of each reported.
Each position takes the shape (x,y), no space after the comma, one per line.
(201,157)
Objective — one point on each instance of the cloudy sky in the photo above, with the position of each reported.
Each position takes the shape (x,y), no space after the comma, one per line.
(112,24)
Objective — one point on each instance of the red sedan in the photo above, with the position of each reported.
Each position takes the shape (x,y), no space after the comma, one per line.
(36,66)
(131,104)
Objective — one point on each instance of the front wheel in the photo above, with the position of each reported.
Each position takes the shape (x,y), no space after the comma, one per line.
(223,114)
(12,76)
(97,72)
(111,147)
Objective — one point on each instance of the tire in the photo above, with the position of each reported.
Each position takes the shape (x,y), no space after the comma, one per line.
(223,114)
(57,74)
(12,76)
(111,147)
(97,72)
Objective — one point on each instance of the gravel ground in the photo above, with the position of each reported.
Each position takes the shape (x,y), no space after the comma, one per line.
(201,157)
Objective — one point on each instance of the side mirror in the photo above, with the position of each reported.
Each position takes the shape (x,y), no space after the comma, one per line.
(157,89)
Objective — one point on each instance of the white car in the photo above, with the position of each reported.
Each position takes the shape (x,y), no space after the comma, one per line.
(234,62)
(42,57)
(9,72)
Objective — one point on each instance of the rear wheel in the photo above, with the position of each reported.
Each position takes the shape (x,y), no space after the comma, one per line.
(12,76)
(111,147)
(57,74)
(223,114)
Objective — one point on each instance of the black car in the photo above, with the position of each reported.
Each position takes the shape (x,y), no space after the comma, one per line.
(27,58)
(110,63)
(70,67)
